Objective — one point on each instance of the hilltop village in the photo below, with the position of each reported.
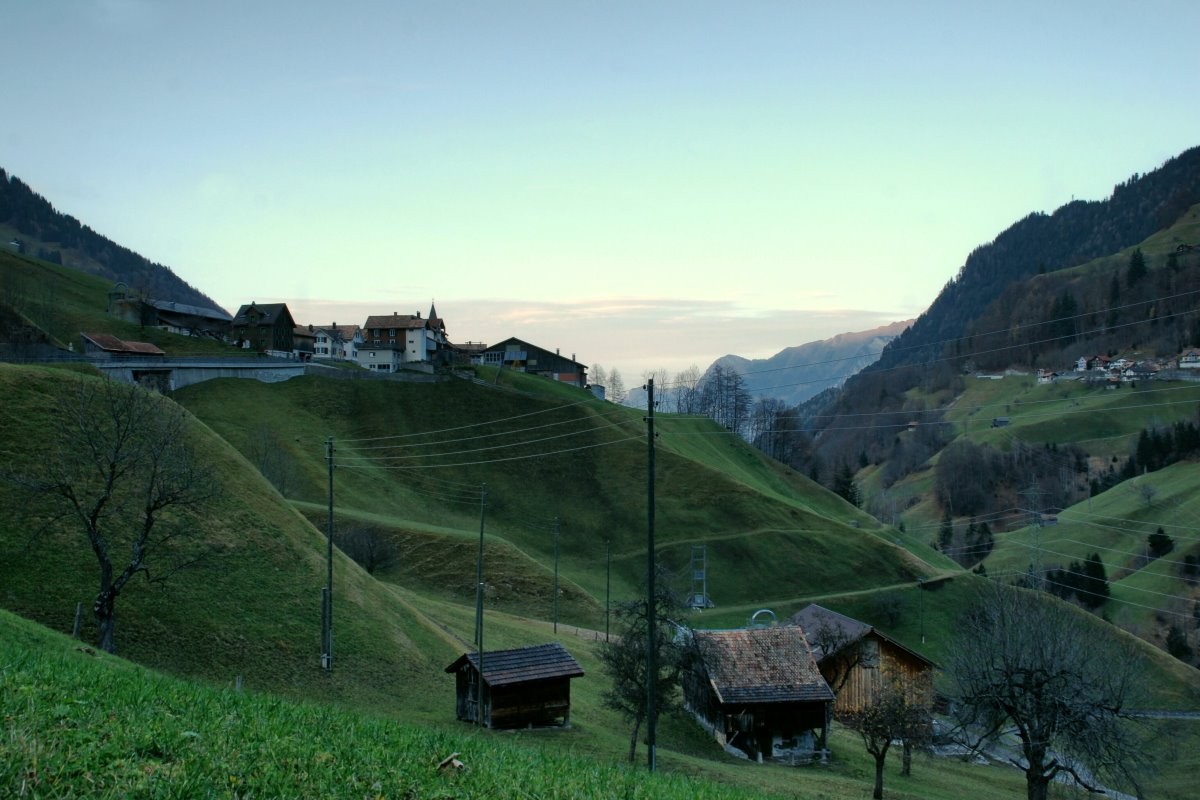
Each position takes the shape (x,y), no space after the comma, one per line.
(384,343)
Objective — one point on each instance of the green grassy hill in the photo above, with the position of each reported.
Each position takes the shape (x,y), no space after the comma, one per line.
(61,302)
(409,463)
(410,458)
(252,609)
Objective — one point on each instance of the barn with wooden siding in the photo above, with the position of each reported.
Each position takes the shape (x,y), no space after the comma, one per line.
(857,659)
(759,692)
(525,687)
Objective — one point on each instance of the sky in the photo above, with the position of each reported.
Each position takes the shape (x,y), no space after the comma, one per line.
(644,185)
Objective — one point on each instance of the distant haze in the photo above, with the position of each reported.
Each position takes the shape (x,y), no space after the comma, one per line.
(797,373)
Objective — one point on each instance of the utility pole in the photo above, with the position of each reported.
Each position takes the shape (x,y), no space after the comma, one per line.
(921,591)
(607,584)
(651,622)
(556,575)
(1032,495)
(327,610)
(479,606)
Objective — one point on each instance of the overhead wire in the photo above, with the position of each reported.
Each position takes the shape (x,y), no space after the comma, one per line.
(467,426)
(525,443)
(494,460)
(513,432)
(957,339)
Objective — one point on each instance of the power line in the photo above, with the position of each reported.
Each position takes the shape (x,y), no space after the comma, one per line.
(525,443)
(513,432)
(493,460)
(470,425)
(957,339)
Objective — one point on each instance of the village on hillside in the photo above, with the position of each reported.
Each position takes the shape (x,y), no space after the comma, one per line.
(1113,370)
(383,344)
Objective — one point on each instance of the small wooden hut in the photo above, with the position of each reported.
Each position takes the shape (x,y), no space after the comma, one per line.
(760,693)
(525,687)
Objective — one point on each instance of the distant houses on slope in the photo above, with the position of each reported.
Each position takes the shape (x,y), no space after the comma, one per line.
(1114,370)
(384,343)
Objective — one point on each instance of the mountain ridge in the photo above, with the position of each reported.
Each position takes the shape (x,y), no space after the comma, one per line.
(826,363)
(32,225)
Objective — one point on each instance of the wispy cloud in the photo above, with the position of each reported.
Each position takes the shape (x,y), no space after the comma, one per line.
(632,333)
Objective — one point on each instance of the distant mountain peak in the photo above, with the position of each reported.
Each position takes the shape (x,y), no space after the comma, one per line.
(799,372)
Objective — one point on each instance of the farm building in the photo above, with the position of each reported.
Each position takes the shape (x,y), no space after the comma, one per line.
(856,658)
(758,690)
(524,687)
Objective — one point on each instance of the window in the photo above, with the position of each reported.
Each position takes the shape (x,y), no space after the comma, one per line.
(870,653)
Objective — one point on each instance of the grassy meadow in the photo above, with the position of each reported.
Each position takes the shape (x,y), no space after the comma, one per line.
(411,461)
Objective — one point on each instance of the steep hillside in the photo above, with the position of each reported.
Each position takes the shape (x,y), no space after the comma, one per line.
(411,460)
(251,609)
(1075,233)
(45,306)
(795,374)
(40,230)
(1043,322)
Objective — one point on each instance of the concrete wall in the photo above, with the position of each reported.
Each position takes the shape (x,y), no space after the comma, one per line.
(174,375)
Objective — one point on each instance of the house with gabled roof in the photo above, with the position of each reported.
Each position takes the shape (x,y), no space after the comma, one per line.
(524,687)
(266,328)
(395,339)
(338,342)
(517,354)
(858,660)
(759,692)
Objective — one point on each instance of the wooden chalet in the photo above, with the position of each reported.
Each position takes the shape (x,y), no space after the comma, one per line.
(267,328)
(521,688)
(759,692)
(517,354)
(856,659)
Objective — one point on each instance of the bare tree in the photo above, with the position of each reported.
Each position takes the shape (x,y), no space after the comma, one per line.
(687,383)
(839,651)
(662,384)
(616,386)
(1029,664)
(624,656)
(371,548)
(266,451)
(122,469)
(895,714)
(599,377)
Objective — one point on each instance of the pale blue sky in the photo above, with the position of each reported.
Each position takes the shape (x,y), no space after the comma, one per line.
(641,184)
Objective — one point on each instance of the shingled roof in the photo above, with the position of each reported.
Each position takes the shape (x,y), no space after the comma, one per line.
(762,665)
(524,664)
(267,312)
(111,344)
(813,618)
(394,320)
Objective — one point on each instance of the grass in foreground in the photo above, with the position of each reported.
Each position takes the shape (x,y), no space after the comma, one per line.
(81,724)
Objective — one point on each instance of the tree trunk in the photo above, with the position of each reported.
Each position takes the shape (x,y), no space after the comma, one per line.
(878,793)
(103,610)
(906,761)
(1037,783)
(637,726)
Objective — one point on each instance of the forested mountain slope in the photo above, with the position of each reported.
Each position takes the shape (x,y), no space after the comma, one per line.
(1075,233)
(41,230)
